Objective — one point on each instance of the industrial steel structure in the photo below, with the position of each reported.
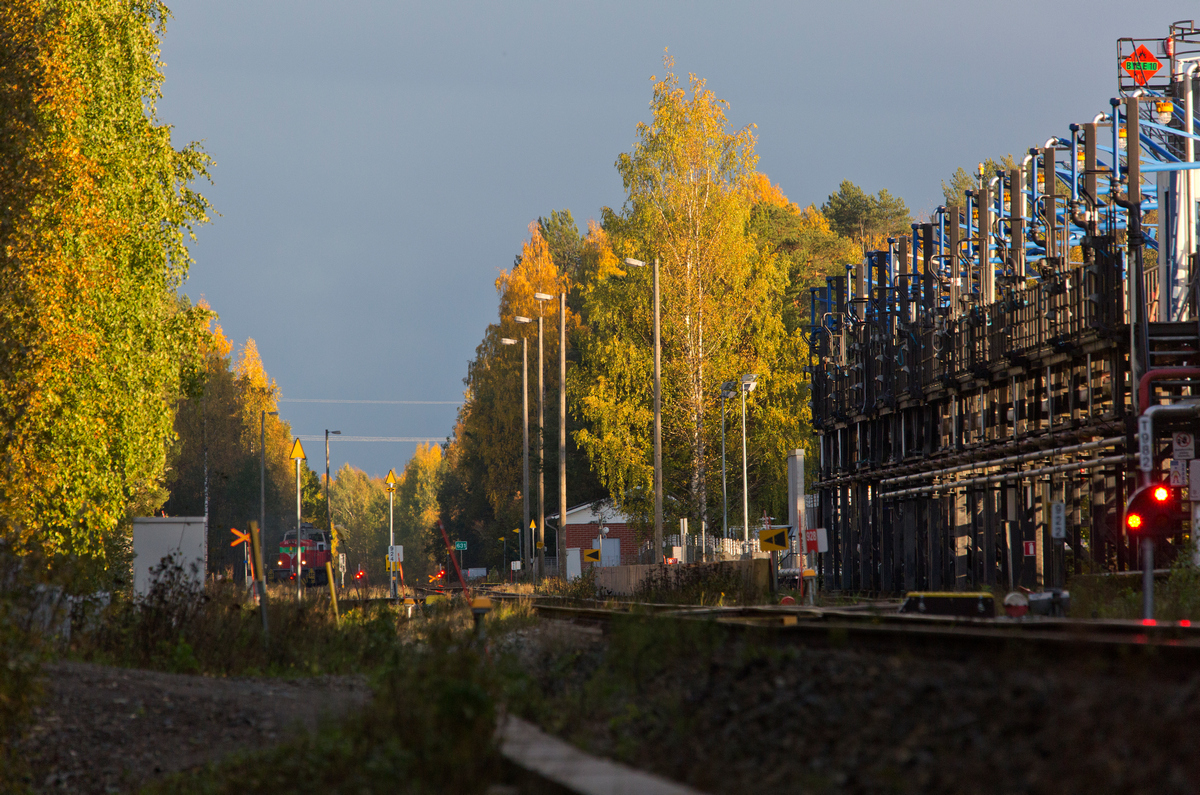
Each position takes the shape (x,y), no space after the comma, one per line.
(977,386)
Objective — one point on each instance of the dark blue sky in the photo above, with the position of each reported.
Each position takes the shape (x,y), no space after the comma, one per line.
(379,162)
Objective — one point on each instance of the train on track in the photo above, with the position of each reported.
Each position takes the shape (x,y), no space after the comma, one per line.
(316,549)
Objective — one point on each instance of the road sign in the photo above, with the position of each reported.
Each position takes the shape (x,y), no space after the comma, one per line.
(391,478)
(240,538)
(460,545)
(1141,65)
(772,539)
(540,545)
(298,450)
(396,553)
(1058,520)
(591,556)
(1183,446)
(1030,549)
(1179,472)
(815,539)
(1145,444)
(516,565)
(342,562)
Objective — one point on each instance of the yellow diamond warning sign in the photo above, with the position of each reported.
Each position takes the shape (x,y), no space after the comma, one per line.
(772,539)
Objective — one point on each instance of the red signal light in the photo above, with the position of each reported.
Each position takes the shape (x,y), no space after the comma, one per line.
(1155,510)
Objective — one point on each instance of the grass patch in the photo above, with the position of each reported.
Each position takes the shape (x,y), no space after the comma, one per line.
(1176,596)
(182,627)
(713,584)
(21,652)
(429,728)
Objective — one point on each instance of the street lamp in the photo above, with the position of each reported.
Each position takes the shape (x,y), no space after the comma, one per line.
(262,477)
(390,481)
(328,510)
(749,381)
(541,530)
(526,548)
(728,392)
(658,479)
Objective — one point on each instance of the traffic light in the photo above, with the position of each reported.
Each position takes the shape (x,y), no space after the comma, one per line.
(1154,511)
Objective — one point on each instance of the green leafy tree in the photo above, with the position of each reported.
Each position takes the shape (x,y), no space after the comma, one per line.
(95,210)
(360,511)
(962,181)
(864,218)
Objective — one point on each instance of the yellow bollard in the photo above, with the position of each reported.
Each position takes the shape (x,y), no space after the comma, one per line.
(332,592)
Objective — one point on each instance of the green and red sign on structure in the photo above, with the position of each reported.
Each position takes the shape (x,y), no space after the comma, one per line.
(1141,65)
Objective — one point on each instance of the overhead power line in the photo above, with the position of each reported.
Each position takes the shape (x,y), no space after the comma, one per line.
(319,438)
(408,439)
(376,402)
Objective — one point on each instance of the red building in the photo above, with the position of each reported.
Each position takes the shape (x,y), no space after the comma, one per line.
(584,525)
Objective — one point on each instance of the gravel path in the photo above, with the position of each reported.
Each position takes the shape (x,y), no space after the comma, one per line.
(102,729)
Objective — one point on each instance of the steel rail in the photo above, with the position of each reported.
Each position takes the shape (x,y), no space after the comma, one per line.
(1168,645)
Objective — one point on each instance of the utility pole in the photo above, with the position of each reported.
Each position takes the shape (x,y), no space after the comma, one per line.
(329,511)
(262,471)
(726,393)
(748,383)
(541,528)
(525,531)
(561,538)
(658,479)
(658,473)
(527,551)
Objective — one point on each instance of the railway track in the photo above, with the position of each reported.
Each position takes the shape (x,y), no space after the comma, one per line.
(1164,645)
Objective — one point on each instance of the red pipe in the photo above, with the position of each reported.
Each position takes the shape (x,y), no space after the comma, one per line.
(1159,375)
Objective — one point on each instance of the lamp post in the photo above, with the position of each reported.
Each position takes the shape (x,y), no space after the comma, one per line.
(748,383)
(658,480)
(527,547)
(560,541)
(328,510)
(298,456)
(727,392)
(541,529)
(262,475)
(391,490)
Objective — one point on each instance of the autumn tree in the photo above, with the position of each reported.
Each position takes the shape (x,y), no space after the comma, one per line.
(481,494)
(418,510)
(216,460)
(689,185)
(360,512)
(804,243)
(95,210)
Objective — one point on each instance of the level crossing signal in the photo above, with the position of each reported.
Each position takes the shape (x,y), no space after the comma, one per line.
(1155,510)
